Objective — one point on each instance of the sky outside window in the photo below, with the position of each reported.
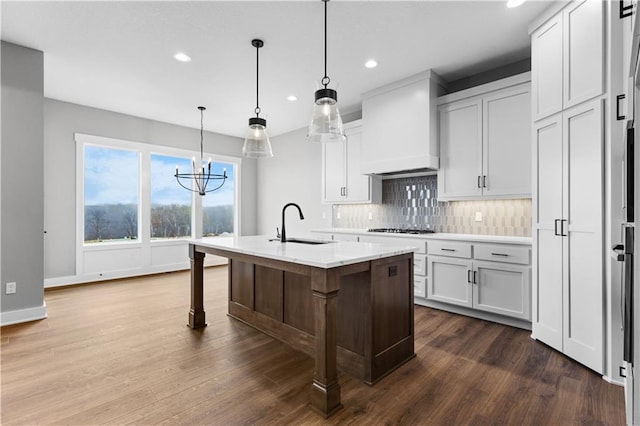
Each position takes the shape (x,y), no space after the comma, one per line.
(170,203)
(110,194)
(218,207)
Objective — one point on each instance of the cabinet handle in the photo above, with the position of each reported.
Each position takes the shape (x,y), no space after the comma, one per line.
(484,181)
(475,278)
(625,11)
(499,254)
(555,228)
(447,249)
(618,99)
(562,222)
(479,178)
(469,276)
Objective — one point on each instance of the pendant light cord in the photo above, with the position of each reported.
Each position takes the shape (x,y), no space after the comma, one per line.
(325,79)
(201,135)
(257,110)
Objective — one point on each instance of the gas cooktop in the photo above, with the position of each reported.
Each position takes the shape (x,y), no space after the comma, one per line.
(402,230)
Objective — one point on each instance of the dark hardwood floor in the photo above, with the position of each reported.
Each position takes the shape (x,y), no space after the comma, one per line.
(120,352)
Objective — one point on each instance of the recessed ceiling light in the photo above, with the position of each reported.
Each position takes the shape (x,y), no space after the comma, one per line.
(182,57)
(292,98)
(514,3)
(371,63)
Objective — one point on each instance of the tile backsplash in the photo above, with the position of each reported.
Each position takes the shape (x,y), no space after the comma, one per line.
(412,203)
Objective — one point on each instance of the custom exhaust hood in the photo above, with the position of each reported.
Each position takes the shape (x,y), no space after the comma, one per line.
(399,127)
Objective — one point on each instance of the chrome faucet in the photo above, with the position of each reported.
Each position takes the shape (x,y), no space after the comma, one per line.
(283,234)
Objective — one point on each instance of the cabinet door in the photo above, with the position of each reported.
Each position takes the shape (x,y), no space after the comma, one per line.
(449,281)
(583,244)
(357,184)
(546,68)
(333,172)
(503,289)
(506,154)
(419,286)
(547,254)
(460,150)
(583,51)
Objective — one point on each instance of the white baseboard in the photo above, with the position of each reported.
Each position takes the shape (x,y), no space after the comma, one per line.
(126,273)
(612,381)
(23,315)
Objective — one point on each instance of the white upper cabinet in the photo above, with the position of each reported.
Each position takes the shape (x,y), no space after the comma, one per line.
(460,149)
(567,58)
(400,125)
(546,68)
(506,153)
(485,141)
(342,181)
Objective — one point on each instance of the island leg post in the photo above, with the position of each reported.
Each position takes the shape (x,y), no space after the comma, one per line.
(325,390)
(196,313)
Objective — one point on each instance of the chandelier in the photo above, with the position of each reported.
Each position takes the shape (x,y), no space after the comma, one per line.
(200,177)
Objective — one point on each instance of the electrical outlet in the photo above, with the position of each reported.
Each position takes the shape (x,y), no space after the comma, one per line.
(478,216)
(370,215)
(338,215)
(324,215)
(11,288)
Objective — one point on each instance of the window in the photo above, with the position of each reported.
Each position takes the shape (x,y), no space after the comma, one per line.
(170,204)
(133,216)
(110,194)
(218,207)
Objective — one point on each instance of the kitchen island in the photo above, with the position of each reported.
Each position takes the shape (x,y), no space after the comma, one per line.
(347,304)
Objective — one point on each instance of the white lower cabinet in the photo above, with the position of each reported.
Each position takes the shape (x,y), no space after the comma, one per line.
(487,280)
(449,281)
(420,274)
(500,287)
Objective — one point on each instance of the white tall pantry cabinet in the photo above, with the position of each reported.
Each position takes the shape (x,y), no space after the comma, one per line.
(569,100)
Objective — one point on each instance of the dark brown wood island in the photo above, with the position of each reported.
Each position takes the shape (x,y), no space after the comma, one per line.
(347,304)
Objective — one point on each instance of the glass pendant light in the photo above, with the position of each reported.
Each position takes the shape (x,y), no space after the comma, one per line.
(257,144)
(326,123)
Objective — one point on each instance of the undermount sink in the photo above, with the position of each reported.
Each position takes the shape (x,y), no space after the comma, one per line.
(303,241)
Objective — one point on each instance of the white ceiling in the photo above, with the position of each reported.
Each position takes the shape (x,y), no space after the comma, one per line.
(118,55)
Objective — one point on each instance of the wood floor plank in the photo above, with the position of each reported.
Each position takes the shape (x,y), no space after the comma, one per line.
(119,352)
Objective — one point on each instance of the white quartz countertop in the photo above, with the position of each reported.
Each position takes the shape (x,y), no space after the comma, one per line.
(434,236)
(330,255)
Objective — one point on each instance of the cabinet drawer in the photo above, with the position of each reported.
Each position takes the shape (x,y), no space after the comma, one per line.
(420,264)
(449,248)
(500,253)
(420,286)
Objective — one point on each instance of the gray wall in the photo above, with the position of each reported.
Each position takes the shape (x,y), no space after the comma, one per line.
(292,175)
(62,120)
(21,191)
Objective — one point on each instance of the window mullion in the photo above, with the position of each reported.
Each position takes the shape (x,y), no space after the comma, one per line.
(145,198)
